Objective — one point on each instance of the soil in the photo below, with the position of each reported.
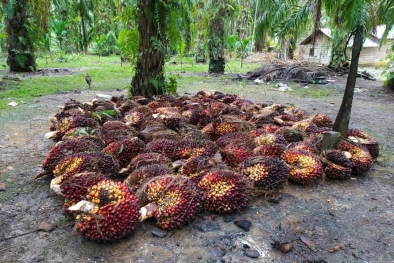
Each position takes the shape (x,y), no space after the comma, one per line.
(329,221)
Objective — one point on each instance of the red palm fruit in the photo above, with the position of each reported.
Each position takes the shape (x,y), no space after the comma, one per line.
(229,98)
(305,146)
(171,117)
(322,120)
(269,138)
(226,191)
(162,146)
(75,187)
(228,124)
(80,133)
(298,113)
(172,200)
(338,166)
(233,155)
(87,161)
(269,127)
(237,138)
(62,125)
(141,100)
(265,172)
(305,167)
(194,168)
(114,130)
(143,159)
(109,212)
(259,120)
(306,126)
(138,176)
(361,158)
(314,139)
(159,135)
(188,148)
(365,140)
(125,150)
(285,120)
(273,149)
(290,134)
(127,105)
(63,149)
(133,118)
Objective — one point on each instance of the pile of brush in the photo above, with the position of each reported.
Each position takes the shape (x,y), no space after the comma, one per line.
(123,160)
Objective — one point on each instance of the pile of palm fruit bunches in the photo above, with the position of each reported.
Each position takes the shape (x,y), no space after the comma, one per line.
(123,160)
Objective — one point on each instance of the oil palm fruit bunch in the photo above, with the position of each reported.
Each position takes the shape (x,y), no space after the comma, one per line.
(152,133)
(305,146)
(170,116)
(285,120)
(290,134)
(238,138)
(63,149)
(75,188)
(108,213)
(268,138)
(125,150)
(196,117)
(173,200)
(143,159)
(87,161)
(322,120)
(265,172)
(337,165)
(234,154)
(186,148)
(365,140)
(305,167)
(81,133)
(163,146)
(68,122)
(360,157)
(133,118)
(143,173)
(114,130)
(228,124)
(195,167)
(269,127)
(226,191)
(273,150)
(127,105)
(306,126)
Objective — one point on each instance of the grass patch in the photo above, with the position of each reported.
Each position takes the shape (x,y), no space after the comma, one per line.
(316,92)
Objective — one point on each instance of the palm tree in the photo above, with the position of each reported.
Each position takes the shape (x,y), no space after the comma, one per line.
(19,44)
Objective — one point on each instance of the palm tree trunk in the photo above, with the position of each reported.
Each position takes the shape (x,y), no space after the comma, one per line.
(341,123)
(216,39)
(19,45)
(149,76)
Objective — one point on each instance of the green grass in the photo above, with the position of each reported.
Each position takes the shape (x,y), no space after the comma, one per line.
(314,91)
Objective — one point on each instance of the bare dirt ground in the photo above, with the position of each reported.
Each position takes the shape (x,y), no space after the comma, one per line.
(342,221)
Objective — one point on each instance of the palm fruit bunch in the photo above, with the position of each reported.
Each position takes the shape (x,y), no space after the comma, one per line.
(322,120)
(68,122)
(63,149)
(125,150)
(173,200)
(238,138)
(285,120)
(305,167)
(360,157)
(143,159)
(195,167)
(273,149)
(290,134)
(228,124)
(108,213)
(143,173)
(75,188)
(80,133)
(337,165)
(171,117)
(163,146)
(187,148)
(226,191)
(86,161)
(365,140)
(265,172)
(305,146)
(133,118)
(234,154)
(269,138)
(306,126)
(115,130)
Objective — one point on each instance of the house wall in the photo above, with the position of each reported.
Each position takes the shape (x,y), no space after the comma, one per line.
(322,51)
(370,55)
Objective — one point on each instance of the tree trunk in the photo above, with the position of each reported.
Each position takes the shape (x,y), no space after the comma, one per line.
(216,39)
(149,76)
(260,44)
(19,45)
(341,123)
(200,50)
(84,34)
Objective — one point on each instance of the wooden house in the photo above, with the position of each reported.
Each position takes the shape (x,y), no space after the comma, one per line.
(321,52)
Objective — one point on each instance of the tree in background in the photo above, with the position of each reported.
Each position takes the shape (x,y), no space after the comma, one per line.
(19,44)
